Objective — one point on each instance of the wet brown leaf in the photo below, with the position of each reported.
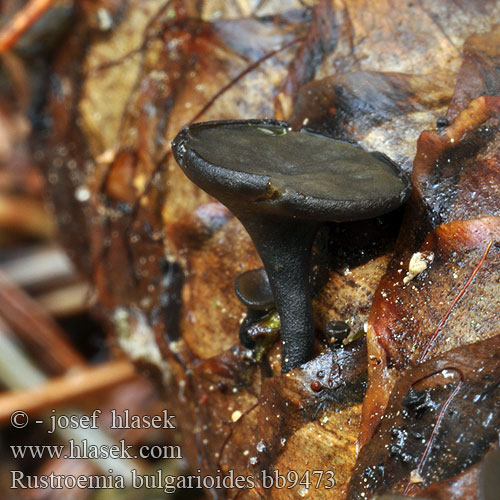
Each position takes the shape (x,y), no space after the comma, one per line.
(454,300)
(441,419)
(164,257)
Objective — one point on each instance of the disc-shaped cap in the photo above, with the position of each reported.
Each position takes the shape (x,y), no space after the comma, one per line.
(253,290)
(262,166)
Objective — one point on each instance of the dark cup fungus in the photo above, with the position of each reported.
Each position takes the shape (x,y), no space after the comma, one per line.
(282,185)
(254,291)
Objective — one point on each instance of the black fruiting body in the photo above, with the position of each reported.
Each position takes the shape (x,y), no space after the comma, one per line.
(282,185)
(254,291)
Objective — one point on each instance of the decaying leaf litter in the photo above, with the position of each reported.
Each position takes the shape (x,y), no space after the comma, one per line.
(164,257)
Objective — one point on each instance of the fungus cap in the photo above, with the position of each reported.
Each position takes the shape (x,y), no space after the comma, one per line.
(254,290)
(263,166)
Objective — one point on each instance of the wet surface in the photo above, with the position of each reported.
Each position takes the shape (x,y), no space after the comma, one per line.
(157,248)
(442,418)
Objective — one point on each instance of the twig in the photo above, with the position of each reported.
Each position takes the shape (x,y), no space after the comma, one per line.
(13,363)
(39,267)
(22,21)
(17,371)
(138,398)
(65,389)
(66,300)
(25,215)
(36,328)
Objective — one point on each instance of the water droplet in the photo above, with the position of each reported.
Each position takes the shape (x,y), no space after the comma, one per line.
(82,194)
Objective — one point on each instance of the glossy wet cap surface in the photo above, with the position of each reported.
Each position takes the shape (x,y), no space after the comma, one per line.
(309,176)
(253,289)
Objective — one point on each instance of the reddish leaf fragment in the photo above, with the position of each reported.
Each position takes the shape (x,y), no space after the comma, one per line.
(452,300)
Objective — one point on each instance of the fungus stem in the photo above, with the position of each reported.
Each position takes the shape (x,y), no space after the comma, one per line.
(275,184)
(284,246)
